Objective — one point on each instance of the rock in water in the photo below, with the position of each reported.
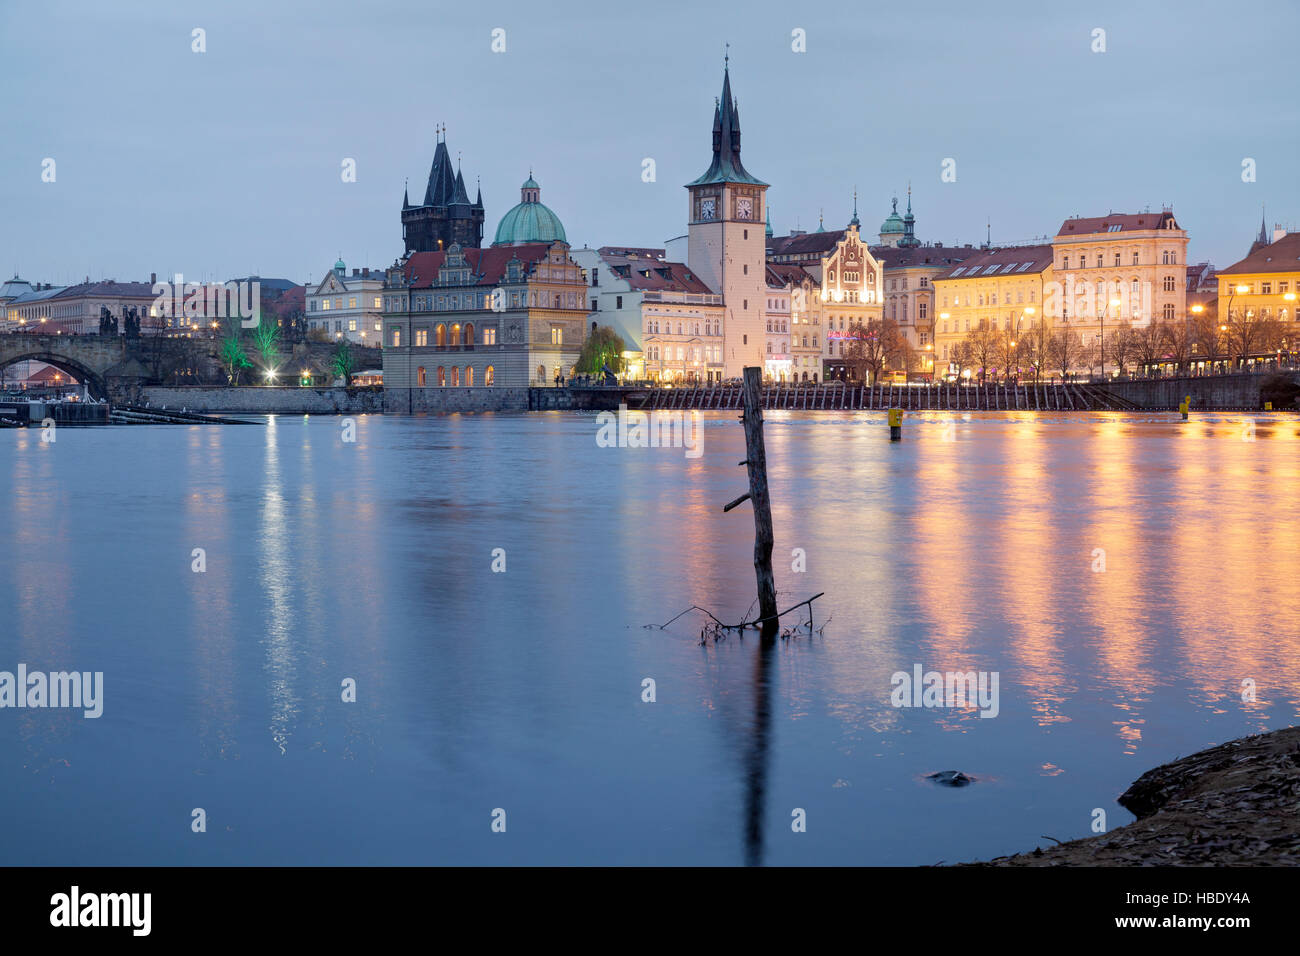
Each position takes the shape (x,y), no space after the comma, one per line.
(951,778)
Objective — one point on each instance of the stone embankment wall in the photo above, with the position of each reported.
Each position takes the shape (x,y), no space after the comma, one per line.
(1207,392)
(261,400)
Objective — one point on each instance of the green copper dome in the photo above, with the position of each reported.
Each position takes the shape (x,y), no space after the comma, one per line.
(530,221)
(894,224)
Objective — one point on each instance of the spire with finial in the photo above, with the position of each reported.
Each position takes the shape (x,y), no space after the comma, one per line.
(821,226)
(726,166)
(406,194)
(854,221)
(768,229)
(909,240)
(1263,229)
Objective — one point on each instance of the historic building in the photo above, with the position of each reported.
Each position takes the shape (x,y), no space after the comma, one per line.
(1119,267)
(347,306)
(725,239)
(669,320)
(897,284)
(784,284)
(75,309)
(1265,285)
(1001,289)
(446,215)
(514,314)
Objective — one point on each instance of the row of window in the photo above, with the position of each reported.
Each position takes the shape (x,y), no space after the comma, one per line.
(1168,257)
(454,377)
(652,327)
(796,342)
(337,303)
(902,283)
(988,299)
(443,336)
(709,353)
(1259,288)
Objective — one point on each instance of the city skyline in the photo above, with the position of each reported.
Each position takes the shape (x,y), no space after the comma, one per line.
(260,190)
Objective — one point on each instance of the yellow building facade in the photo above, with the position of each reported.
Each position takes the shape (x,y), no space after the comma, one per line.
(1001,289)
(1265,285)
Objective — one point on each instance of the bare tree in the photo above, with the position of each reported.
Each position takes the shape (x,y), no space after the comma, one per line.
(1065,351)
(984,343)
(1118,347)
(873,346)
(1209,337)
(1180,339)
(1251,333)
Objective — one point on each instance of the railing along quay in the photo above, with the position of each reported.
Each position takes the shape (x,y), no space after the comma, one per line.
(1070,397)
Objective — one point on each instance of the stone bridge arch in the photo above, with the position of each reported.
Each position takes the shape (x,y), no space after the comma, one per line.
(94,382)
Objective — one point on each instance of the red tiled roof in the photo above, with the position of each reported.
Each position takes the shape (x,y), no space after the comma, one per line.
(1282,255)
(781,274)
(897,257)
(487,265)
(1125,222)
(808,243)
(664,276)
(1038,257)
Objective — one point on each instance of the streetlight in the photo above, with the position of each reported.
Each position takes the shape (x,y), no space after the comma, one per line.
(1102,347)
(1237,290)
(1187,334)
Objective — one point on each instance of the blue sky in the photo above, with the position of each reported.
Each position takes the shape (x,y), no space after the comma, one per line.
(228,162)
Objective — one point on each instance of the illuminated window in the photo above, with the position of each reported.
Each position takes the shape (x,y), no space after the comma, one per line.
(396,336)
(419,376)
(352,302)
(324,305)
(421,336)
(489,376)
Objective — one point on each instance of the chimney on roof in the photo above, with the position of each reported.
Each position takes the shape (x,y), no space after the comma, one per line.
(356,272)
(153,278)
(365,271)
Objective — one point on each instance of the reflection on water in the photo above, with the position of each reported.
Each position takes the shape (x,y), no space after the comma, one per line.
(1124,574)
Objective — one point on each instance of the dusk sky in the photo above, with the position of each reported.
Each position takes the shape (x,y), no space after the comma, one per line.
(228,162)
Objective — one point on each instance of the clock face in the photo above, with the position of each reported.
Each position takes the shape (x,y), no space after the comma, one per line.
(708,208)
(744,208)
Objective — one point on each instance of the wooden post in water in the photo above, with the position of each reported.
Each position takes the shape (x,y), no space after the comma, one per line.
(756,463)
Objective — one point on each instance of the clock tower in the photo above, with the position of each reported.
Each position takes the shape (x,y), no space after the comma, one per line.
(727,239)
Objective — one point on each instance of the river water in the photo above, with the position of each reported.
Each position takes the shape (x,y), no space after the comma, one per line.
(975,544)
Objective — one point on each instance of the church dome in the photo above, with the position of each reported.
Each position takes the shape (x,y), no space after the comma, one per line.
(894,224)
(530,221)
